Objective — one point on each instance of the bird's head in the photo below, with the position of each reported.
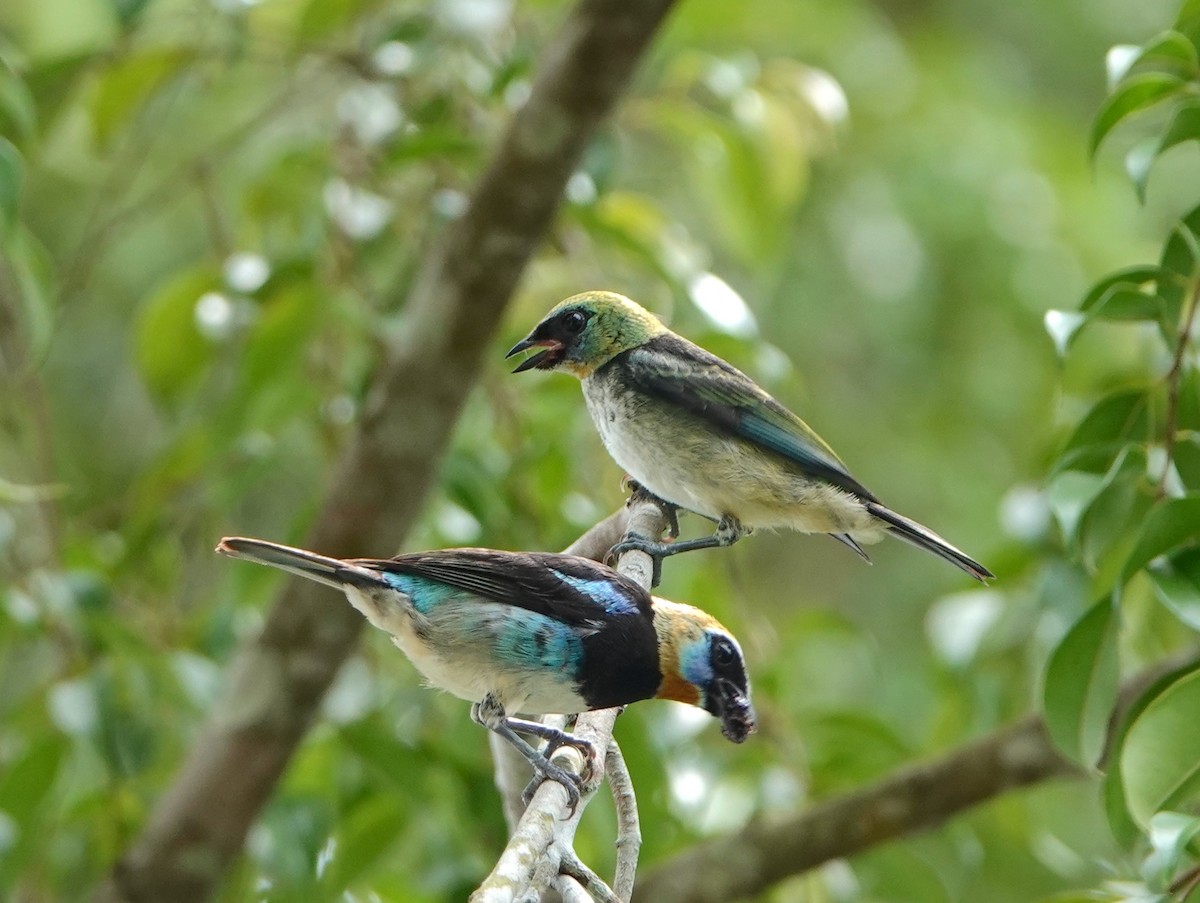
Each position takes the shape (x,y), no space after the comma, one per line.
(702,664)
(587,331)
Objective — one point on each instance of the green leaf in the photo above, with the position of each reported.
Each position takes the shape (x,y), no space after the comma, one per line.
(25,795)
(1186,455)
(1127,302)
(1170,48)
(1081,684)
(364,835)
(1133,94)
(1183,126)
(1168,526)
(28,780)
(170,350)
(18,112)
(1177,584)
(1135,277)
(1109,528)
(1113,422)
(1069,494)
(10,184)
(1160,758)
(1187,408)
(1180,264)
(1124,827)
(126,87)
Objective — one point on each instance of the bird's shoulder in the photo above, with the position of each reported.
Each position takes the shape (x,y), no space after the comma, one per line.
(568,588)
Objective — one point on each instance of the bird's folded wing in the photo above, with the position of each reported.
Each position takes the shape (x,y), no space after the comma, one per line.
(686,375)
(572,590)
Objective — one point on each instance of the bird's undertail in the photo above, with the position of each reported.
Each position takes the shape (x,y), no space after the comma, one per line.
(329,571)
(924,538)
(848,540)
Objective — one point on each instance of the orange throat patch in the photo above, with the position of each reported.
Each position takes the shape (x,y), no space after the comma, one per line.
(675,687)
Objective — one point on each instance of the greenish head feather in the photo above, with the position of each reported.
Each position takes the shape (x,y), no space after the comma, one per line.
(587,331)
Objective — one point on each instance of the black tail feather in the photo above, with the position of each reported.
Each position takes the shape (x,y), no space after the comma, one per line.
(330,571)
(848,540)
(924,538)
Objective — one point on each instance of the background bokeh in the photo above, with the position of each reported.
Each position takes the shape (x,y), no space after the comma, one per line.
(869,206)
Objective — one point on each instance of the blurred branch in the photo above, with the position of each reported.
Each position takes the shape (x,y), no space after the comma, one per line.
(913,799)
(381,480)
(629,830)
(540,847)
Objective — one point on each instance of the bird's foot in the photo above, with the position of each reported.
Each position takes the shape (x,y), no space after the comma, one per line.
(638,492)
(555,738)
(635,542)
(729,530)
(547,770)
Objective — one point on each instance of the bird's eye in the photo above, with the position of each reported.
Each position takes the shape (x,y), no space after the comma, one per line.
(573,321)
(723,653)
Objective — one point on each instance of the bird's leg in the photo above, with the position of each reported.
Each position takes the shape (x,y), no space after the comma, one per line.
(729,531)
(490,713)
(553,736)
(670,510)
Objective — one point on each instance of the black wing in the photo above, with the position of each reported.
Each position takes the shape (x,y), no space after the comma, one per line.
(574,590)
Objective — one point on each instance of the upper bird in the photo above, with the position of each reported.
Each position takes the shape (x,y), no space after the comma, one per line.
(700,434)
(536,633)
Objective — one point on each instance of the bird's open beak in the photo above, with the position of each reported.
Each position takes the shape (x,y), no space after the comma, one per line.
(738,720)
(543,360)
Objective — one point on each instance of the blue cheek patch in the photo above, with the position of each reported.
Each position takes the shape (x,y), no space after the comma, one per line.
(602,592)
(694,664)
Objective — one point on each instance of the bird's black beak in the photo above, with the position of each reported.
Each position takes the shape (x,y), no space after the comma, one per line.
(731,705)
(542,361)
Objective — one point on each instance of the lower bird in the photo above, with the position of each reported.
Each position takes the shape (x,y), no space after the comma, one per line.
(701,435)
(534,633)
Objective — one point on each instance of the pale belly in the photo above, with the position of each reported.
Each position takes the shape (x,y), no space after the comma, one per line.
(681,458)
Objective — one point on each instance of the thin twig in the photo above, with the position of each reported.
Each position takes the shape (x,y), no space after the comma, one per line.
(1185,883)
(629,829)
(1172,377)
(574,867)
(571,890)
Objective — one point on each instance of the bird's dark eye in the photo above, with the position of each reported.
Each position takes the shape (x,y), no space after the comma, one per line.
(723,653)
(573,322)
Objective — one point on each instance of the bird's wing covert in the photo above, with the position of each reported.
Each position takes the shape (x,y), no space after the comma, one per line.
(674,370)
(569,589)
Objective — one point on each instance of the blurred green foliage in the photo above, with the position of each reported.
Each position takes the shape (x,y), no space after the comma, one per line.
(210,211)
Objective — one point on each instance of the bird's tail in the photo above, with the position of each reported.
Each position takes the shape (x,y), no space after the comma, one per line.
(330,571)
(924,538)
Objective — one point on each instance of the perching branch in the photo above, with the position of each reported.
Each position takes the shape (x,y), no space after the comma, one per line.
(912,799)
(629,831)
(381,481)
(541,844)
